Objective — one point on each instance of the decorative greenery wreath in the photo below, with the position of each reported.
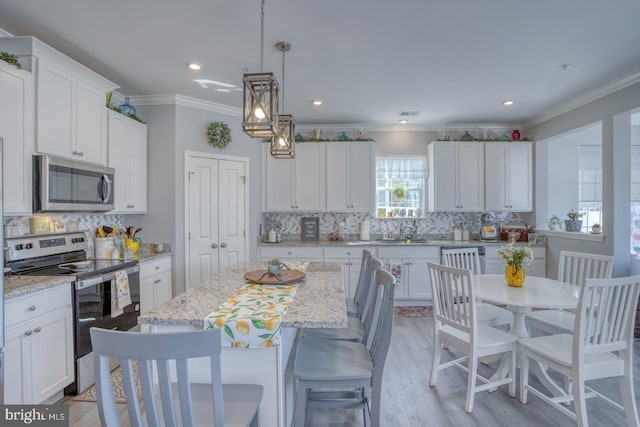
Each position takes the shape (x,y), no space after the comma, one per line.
(10,59)
(219,134)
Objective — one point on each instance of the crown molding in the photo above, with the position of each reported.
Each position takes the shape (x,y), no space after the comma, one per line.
(185,101)
(410,127)
(579,101)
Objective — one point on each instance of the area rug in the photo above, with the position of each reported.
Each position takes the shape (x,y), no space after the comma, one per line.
(89,394)
(413,311)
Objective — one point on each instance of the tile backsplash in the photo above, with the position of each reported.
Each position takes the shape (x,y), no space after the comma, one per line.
(433,223)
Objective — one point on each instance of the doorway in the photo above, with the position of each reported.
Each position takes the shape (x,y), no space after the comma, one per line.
(216,207)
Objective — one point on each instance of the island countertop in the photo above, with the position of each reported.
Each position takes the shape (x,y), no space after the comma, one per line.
(319,301)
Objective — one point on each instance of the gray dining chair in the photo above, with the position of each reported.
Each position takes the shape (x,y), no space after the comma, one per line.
(169,398)
(346,374)
(600,348)
(469,258)
(356,305)
(456,325)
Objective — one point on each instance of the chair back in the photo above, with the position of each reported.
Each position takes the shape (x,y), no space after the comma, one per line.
(606,316)
(576,267)
(372,303)
(379,347)
(155,354)
(364,284)
(466,258)
(453,298)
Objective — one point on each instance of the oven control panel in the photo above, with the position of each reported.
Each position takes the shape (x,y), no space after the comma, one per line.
(24,247)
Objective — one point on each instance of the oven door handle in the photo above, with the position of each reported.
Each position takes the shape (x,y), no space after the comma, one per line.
(87,283)
(87,319)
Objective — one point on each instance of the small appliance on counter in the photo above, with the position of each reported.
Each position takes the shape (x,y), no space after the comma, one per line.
(489,230)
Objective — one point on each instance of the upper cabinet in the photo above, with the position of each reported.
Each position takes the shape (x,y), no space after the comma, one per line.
(350,177)
(509,176)
(295,185)
(17,132)
(128,156)
(71,117)
(456,176)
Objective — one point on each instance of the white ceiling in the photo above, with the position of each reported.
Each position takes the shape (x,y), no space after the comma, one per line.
(453,61)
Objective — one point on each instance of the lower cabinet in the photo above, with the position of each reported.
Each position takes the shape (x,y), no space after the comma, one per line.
(409,266)
(155,283)
(38,348)
(494,263)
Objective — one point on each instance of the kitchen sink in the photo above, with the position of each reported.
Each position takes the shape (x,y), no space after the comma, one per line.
(392,242)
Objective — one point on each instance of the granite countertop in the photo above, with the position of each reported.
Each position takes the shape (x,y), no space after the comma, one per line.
(15,286)
(350,243)
(319,300)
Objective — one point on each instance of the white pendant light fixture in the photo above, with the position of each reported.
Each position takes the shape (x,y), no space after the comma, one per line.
(283,144)
(260,104)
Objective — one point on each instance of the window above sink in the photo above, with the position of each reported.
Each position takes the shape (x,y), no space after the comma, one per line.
(400,186)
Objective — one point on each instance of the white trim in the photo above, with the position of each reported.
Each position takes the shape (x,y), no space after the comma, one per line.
(247,163)
(588,97)
(572,235)
(176,99)
(409,127)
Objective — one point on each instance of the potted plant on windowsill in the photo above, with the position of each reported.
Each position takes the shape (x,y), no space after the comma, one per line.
(595,229)
(574,223)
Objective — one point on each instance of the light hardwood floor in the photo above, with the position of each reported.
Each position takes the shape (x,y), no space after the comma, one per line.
(408,401)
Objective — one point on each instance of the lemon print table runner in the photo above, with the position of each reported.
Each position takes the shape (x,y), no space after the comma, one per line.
(251,318)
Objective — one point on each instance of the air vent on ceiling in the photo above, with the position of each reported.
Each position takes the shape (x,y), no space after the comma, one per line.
(409,113)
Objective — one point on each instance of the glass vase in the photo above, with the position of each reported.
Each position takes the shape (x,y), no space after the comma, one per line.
(514,275)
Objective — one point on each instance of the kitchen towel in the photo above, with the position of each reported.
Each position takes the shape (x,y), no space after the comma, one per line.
(120,296)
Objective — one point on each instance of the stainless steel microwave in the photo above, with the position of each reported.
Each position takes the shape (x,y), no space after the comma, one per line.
(61,185)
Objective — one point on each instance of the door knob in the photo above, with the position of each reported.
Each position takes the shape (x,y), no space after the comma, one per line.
(223,245)
(214,246)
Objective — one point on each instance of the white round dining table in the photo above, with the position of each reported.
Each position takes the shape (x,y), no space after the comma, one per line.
(536,292)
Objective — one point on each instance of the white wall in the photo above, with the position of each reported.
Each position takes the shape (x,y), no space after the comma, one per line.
(615,170)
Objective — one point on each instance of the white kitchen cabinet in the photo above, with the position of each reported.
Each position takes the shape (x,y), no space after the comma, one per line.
(155,283)
(350,177)
(292,253)
(71,116)
(295,184)
(495,264)
(17,127)
(509,176)
(128,156)
(350,260)
(38,346)
(409,266)
(456,176)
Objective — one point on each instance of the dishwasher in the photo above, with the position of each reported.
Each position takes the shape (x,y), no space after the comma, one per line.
(481,253)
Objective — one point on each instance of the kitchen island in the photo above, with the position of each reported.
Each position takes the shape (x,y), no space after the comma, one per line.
(319,303)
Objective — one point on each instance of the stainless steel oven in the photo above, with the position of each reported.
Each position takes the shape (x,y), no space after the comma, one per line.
(92,302)
(68,186)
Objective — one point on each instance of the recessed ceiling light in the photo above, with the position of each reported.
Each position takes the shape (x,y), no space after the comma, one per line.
(316,102)
(194,66)
(508,102)
(403,121)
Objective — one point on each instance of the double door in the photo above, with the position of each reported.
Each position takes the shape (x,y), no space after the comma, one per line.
(216,215)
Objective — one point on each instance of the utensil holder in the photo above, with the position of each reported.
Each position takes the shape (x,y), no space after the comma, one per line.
(104,247)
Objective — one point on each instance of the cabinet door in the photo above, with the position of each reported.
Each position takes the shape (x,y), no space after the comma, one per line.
(496,175)
(17,364)
(147,296)
(163,287)
(537,268)
(361,177)
(337,176)
(419,286)
(443,177)
(136,167)
(91,121)
(117,131)
(309,177)
(55,106)
(17,111)
(520,178)
(400,271)
(470,171)
(279,183)
(52,358)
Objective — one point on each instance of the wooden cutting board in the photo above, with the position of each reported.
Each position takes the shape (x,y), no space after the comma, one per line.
(287,276)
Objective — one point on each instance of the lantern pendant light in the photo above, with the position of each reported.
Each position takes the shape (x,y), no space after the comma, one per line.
(260,103)
(283,144)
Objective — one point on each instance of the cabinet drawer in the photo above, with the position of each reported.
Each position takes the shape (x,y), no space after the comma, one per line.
(347,252)
(291,252)
(409,252)
(32,305)
(155,266)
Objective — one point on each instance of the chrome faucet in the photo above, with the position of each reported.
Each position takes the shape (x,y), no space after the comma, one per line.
(403,231)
